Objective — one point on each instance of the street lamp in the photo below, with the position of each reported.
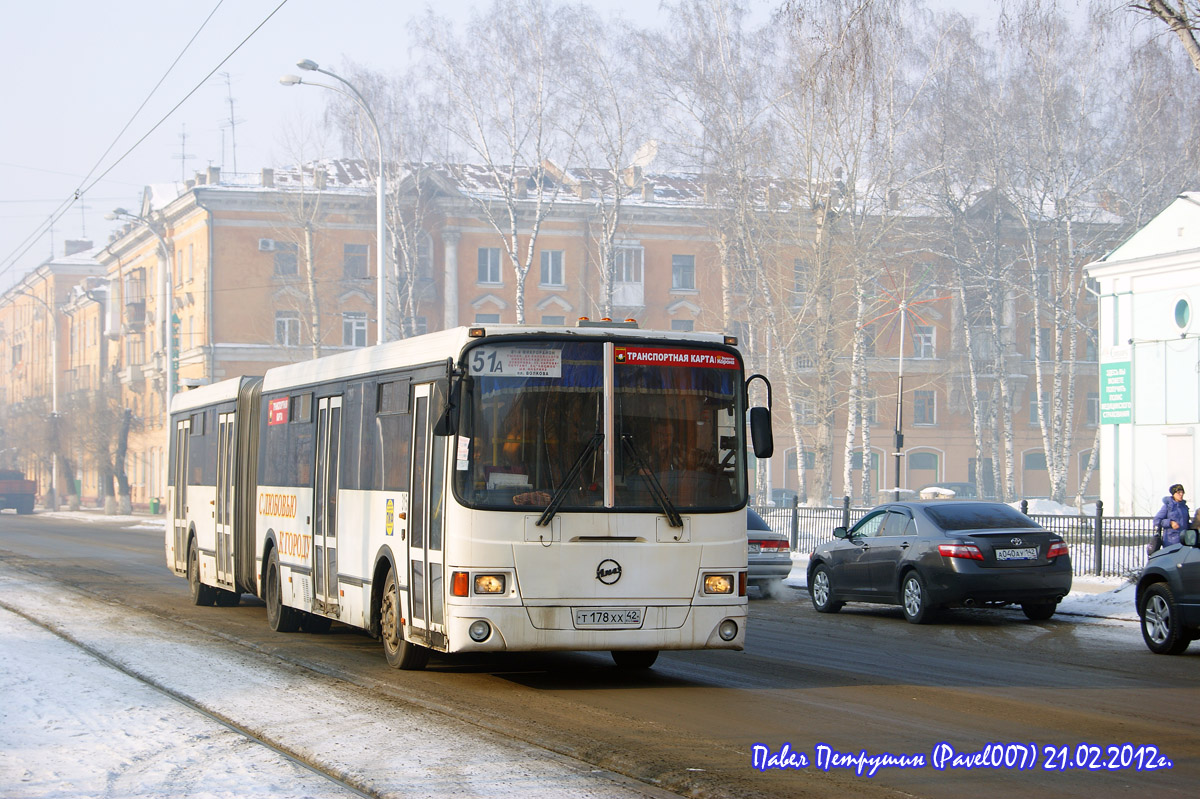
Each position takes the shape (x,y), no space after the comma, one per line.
(165,309)
(53,320)
(380,229)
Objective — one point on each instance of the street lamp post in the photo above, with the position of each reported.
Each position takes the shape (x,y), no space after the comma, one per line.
(165,310)
(381,190)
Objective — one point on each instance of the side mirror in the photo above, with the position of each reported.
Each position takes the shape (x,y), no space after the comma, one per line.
(760,432)
(1189,537)
(840,532)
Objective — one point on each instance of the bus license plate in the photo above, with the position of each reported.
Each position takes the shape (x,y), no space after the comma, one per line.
(1024,553)
(608,617)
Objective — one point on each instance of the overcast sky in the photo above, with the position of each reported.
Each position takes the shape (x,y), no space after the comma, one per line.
(78,70)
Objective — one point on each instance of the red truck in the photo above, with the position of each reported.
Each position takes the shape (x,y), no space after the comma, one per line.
(16,491)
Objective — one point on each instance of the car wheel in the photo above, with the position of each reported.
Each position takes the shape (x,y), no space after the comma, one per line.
(820,590)
(914,598)
(1038,611)
(1161,629)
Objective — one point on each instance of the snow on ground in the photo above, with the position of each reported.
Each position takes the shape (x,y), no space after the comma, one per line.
(71,725)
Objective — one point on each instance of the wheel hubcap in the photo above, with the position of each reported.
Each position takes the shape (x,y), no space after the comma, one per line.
(388,620)
(1158,619)
(912,597)
(821,588)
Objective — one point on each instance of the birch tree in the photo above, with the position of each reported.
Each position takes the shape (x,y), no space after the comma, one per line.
(505,112)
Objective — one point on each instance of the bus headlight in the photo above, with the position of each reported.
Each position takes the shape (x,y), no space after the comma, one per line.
(479,631)
(718,583)
(489,583)
(728,630)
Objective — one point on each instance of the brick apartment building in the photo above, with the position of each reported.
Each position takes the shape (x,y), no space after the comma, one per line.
(281,268)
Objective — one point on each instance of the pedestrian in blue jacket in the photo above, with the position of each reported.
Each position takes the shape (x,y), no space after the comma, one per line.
(1173,517)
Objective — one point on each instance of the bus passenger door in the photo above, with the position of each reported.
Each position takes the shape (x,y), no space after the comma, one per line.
(426,609)
(223,512)
(183,434)
(325,560)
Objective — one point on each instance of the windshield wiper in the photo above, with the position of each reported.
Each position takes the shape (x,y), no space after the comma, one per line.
(561,494)
(656,489)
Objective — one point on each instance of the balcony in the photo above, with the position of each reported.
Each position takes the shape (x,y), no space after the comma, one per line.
(132,375)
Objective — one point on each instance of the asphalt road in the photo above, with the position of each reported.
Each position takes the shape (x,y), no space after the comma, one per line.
(862,680)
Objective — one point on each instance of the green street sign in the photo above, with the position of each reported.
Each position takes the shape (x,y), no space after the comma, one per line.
(1116,393)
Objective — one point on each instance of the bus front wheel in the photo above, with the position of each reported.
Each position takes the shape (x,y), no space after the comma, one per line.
(400,654)
(634,658)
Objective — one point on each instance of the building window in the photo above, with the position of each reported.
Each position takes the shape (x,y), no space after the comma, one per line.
(923,341)
(287,328)
(868,341)
(628,264)
(191,262)
(925,407)
(487,318)
(923,461)
(420,326)
(683,325)
(1034,461)
(552,268)
(869,408)
(804,411)
(553,320)
(800,272)
(425,257)
(1183,314)
(354,329)
(683,273)
(1033,407)
(856,461)
(810,460)
(1093,408)
(804,363)
(285,258)
(489,265)
(354,260)
(1043,351)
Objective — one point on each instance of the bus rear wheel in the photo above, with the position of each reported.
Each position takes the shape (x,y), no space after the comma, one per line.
(400,654)
(280,618)
(201,594)
(634,658)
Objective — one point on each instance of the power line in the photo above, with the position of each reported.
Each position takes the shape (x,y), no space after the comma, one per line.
(24,247)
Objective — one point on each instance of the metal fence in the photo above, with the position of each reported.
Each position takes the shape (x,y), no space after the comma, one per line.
(1100,545)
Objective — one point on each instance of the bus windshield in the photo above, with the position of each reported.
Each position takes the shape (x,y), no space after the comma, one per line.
(534,430)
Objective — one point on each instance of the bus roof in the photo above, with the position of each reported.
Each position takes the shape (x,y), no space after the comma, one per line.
(442,345)
(207,395)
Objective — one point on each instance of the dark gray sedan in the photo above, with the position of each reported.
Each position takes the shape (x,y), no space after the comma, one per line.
(1168,596)
(925,556)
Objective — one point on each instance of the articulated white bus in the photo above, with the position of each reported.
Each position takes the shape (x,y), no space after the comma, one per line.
(479,489)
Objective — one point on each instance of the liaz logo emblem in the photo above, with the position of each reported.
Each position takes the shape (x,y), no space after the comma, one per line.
(390,520)
(608,572)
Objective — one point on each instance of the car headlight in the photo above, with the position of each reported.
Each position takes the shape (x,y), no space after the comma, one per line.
(718,583)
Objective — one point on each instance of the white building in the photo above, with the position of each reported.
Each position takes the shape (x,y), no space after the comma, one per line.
(1150,361)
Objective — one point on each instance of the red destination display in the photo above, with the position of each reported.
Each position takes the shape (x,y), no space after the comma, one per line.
(653,356)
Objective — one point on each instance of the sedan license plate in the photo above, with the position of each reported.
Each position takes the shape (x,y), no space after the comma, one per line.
(610,618)
(1024,553)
